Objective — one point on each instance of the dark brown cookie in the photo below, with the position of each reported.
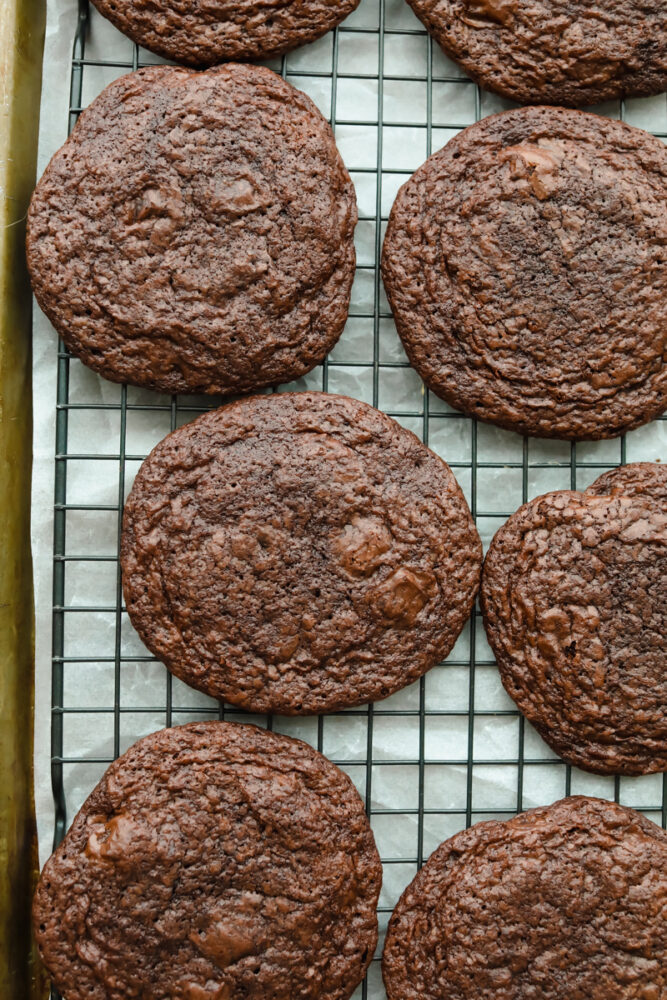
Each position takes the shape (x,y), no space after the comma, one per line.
(195,232)
(213,862)
(565,902)
(646,479)
(574,596)
(210,32)
(298,553)
(572,52)
(526,266)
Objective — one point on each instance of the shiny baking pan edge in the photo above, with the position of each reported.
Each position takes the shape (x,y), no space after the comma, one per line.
(21,47)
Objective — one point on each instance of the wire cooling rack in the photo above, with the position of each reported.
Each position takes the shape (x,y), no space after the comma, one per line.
(451,749)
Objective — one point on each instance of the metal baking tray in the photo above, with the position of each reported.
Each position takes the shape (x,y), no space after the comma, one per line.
(451,749)
(21,41)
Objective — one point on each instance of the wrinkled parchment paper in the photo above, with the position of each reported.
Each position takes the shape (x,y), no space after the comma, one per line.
(496,731)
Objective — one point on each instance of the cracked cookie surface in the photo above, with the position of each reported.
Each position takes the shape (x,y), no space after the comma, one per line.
(526,267)
(206,32)
(572,52)
(298,553)
(561,902)
(574,597)
(646,479)
(213,861)
(195,232)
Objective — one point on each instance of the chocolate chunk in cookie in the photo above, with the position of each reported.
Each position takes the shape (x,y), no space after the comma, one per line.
(572,52)
(213,862)
(298,553)
(195,232)
(526,267)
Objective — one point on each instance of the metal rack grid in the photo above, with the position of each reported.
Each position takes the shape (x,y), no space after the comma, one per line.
(448,751)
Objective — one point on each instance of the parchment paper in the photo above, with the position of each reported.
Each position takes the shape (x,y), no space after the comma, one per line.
(405,144)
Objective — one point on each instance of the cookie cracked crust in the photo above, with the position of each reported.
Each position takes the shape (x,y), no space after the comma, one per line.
(526,267)
(569,52)
(214,861)
(215,31)
(560,902)
(196,232)
(574,597)
(298,553)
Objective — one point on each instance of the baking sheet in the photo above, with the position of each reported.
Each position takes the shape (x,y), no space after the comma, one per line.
(444,752)
(21,39)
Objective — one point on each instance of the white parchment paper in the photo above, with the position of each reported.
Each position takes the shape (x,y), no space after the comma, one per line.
(327,75)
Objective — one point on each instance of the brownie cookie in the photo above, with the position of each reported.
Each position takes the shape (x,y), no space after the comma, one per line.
(213,862)
(203,34)
(566,902)
(646,479)
(195,232)
(298,553)
(526,266)
(572,52)
(574,596)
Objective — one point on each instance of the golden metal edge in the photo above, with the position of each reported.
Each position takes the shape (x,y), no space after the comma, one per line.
(22,24)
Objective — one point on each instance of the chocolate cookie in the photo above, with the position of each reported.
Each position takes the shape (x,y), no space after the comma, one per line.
(574,596)
(212,862)
(565,902)
(646,479)
(572,52)
(203,34)
(526,266)
(298,553)
(195,232)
